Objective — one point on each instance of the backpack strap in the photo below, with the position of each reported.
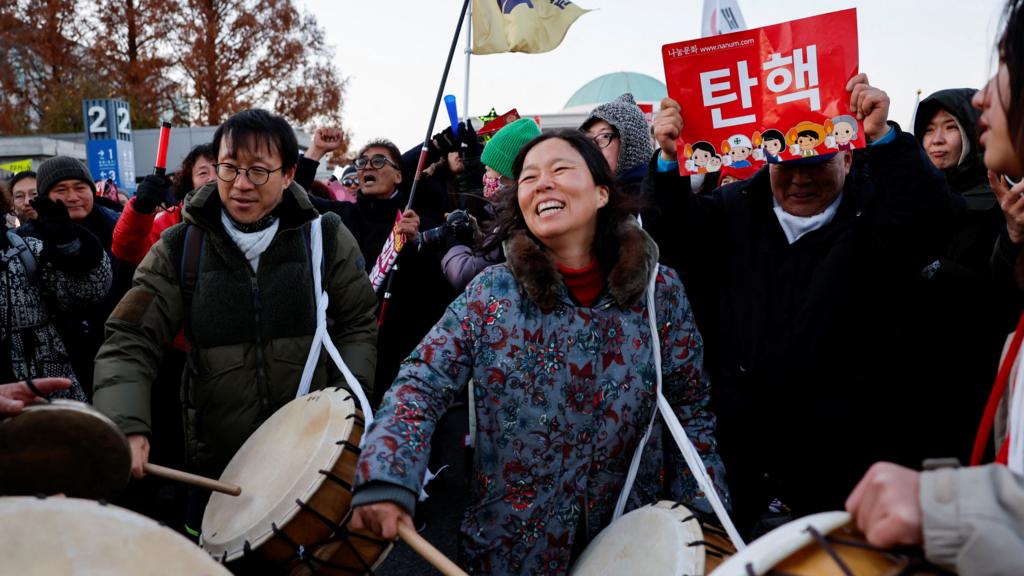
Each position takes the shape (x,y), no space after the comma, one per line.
(28,259)
(188,275)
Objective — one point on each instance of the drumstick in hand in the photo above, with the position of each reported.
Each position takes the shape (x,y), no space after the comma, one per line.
(428,552)
(193,479)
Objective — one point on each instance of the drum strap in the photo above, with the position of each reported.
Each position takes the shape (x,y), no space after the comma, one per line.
(320,337)
(690,454)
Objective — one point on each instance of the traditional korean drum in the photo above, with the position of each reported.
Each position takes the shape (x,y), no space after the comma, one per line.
(296,473)
(46,536)
(822,544)
(660,539)
(63,447)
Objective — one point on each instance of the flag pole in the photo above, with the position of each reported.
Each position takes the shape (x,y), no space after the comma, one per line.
(420,165)
(469,52)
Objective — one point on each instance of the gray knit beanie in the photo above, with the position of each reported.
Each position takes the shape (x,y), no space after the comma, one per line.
(58,169)
(635,142)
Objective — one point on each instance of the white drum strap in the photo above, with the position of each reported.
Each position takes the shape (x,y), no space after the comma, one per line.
(1015,459)
(689,451)
(321,338)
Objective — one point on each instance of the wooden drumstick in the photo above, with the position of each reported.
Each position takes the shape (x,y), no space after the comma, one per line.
(428,552)
(193,479)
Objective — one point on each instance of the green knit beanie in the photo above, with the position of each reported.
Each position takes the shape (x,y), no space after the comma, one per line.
(501,150)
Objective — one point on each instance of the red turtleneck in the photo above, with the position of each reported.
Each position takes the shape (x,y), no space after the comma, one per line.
(585,283)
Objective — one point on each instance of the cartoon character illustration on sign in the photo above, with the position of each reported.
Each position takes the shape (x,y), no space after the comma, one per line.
(737,149)
(770,144)
(698,156)
(842,131)
(714,164)
(804,139)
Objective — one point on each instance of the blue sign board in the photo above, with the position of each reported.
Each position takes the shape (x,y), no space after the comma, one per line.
(112,159)
(108,143)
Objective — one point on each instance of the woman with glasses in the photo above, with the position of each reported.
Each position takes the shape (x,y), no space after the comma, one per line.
(237,274)
(559,346)
(621,132)
(971,519)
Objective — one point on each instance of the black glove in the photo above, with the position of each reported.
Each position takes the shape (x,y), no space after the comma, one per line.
(55,226)
(469,142)
(459,228)
(153,191)
(445,142)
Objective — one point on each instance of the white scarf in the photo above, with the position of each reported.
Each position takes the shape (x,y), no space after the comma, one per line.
(252,244)
(797,226)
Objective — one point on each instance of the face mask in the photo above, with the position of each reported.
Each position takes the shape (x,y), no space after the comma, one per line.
(491,185)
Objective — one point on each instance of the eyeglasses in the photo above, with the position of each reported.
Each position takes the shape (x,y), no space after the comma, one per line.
(604,139)
(256,175)
(350,182)
(377,162)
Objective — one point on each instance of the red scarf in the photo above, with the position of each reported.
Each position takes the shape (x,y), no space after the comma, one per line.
(585,283)
(998,390)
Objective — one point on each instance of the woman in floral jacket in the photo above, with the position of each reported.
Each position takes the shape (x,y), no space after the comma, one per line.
(558,345)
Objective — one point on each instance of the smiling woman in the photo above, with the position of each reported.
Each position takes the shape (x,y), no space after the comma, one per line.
(558,345)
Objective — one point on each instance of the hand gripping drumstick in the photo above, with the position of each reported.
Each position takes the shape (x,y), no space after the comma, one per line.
(193,479)
(428,552)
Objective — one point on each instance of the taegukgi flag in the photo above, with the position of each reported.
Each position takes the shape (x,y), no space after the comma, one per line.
(521,25)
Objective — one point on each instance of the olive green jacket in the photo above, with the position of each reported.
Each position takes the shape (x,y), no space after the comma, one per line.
(250,332)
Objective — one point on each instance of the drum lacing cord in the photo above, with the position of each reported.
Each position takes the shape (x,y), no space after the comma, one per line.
(829,549)
(708,546)
(336,479)
(35,390)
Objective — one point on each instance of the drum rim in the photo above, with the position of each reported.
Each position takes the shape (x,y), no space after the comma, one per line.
(285,508)
(775,546)
(12,504)
(669,507)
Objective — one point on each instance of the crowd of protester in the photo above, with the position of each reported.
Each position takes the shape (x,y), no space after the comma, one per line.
(828,327)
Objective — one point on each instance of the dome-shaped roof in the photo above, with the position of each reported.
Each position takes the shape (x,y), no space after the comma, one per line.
(609,86)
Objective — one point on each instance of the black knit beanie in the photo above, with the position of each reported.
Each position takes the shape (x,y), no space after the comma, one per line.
(636,144)
(58,169)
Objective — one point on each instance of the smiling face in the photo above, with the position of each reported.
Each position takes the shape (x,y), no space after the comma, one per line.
(379,181)
(773,146)
(739,153)
(76,195)
(994,100)
(806,142)
(701,157)
(843,132)
(245,202)
(807,189)
(558,197)
(203,172)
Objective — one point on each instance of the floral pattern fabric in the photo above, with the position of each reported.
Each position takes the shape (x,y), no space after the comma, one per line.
(563,397)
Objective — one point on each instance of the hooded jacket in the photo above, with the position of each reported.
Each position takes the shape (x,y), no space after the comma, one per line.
(961,310)
(563,396)
(250,331)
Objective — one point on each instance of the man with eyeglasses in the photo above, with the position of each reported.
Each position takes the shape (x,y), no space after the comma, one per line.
(23,190)
(249,311)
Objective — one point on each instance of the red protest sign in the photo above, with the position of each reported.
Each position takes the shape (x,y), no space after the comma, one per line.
(769,94)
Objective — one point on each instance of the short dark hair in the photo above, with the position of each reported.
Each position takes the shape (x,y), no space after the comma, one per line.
(185,183)
(393,151)
(773,134)
(705,146)
(510,219)
(1011,51)
(257,128)
(809,133)
(23,175)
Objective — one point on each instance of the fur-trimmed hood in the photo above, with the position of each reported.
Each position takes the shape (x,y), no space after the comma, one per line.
(538,276)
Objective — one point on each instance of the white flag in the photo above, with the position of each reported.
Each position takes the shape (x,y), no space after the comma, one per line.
(721,17)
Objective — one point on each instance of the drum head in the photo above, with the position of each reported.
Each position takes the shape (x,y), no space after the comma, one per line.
(769,550)
(70,536)
(278,464)
(651,540)
(64,447)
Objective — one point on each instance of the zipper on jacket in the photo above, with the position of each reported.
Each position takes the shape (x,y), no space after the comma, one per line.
(261,380)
